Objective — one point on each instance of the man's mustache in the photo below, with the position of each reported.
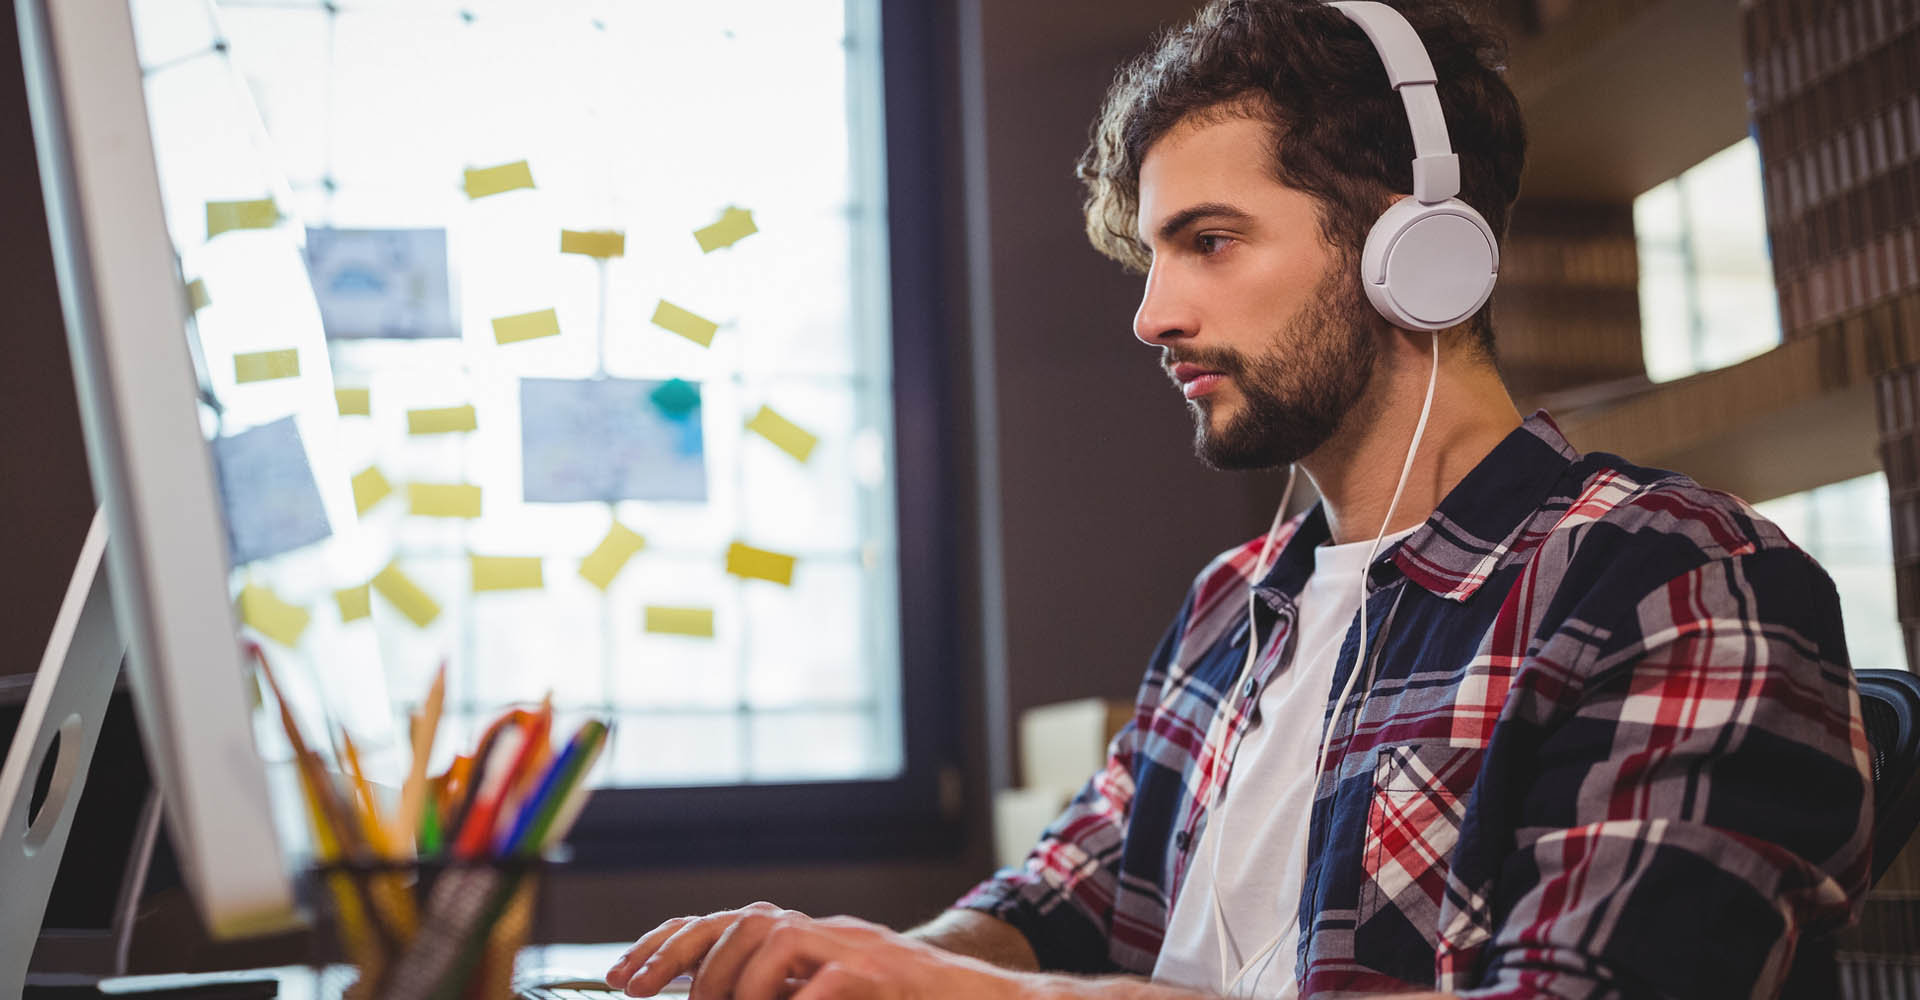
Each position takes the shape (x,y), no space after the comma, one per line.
(1226,362)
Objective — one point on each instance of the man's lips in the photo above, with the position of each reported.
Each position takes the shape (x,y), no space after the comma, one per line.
(1196,381)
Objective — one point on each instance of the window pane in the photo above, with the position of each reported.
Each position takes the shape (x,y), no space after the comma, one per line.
(1706,282)
(799,746)
(1845,526)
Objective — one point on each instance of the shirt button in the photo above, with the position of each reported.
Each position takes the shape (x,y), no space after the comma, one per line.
(1252,688)
(1182,841)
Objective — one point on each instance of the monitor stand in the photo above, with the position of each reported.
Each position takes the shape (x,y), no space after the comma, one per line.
(62,716)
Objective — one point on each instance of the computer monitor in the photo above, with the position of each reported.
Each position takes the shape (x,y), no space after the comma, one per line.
(161,544)
(107,876)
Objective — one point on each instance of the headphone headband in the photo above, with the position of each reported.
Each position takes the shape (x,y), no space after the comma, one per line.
(1436,170)
(1430,261)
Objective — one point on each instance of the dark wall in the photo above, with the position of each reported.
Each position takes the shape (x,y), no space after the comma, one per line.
(1106,515)
(46,501)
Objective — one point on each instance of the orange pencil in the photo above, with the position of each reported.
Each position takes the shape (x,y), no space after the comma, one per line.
(454,788)
(527,774)
(369,807)
(513,720)
(371,939)
(390,893)
(413,791)
(505,764)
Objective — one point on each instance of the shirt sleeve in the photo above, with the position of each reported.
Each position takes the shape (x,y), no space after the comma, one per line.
(1062,897)
(1703,809)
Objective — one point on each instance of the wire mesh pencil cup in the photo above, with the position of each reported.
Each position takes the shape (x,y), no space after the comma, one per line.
(434,929)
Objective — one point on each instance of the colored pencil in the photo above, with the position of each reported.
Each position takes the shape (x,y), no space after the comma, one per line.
(576,799)
(554,785)
(413,791)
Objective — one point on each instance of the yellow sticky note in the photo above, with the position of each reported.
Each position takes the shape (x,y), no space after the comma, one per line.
(759,564)
(594,242)
(443,499)
(258,213)
(486,181)
(197,296)
(526,326)
(354,402)
(370,486)
(789,436)
(680,621)
(355,602)
(272,617)
(400,590)
(735,224)
(694,327)
(506,573)
(606,560)
(442,420)
(261,366)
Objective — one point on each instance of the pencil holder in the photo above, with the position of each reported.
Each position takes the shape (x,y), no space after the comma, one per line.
(431,930)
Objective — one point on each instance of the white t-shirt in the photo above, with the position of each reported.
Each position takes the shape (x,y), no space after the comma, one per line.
(1262,820)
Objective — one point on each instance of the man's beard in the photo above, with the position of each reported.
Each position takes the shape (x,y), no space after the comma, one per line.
(1294,394)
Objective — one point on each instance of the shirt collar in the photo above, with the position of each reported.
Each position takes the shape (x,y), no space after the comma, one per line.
(1472,529)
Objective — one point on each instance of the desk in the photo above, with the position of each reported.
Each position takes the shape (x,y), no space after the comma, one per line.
(300,982)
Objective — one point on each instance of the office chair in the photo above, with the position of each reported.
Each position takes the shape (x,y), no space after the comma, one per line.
(1890,705)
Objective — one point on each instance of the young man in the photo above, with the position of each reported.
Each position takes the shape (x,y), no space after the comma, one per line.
(1593,735)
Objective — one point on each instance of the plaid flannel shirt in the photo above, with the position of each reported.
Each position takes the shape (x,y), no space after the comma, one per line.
(1608,743)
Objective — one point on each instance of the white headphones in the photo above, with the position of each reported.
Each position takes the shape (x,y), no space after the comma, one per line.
(1430,262)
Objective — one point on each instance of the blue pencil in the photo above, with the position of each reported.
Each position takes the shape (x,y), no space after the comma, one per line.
(554,785)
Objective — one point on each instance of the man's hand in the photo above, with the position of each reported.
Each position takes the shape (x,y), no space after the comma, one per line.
(762,952)
(681,945)
(843,958)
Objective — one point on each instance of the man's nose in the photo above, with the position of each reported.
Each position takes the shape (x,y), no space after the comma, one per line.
(1163,316)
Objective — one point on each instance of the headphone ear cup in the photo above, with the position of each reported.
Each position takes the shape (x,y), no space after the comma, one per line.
(1429,267)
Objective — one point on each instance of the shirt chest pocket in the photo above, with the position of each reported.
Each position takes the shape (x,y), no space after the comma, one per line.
(1419,798)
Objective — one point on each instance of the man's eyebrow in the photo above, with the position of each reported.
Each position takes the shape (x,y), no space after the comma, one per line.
(1194,213)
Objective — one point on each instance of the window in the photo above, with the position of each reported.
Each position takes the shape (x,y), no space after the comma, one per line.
(1845,526)
(482,478)
(1707,301)
(1706,281)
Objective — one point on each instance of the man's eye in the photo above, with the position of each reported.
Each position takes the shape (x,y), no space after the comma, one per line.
(1209,243)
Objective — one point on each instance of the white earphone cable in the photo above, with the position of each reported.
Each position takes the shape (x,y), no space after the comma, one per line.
(1359,664)
(1260,567)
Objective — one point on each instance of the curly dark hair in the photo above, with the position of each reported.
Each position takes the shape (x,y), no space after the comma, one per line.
(1340,132)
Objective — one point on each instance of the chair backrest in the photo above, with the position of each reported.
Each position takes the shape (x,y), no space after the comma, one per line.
(1890,705)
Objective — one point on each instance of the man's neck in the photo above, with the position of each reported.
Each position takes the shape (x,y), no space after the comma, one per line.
(1356,470)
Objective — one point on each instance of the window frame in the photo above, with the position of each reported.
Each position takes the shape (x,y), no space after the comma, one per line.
(916,813)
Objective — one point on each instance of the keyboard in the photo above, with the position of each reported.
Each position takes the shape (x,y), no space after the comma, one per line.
(544,985)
